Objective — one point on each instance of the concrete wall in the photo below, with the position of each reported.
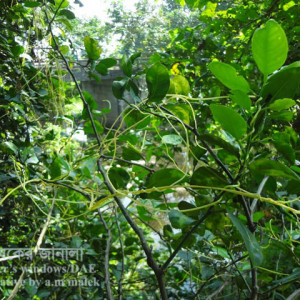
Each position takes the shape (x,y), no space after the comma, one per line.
(101,92)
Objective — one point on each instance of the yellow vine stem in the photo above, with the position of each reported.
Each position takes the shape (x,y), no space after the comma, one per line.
(273,272)
(185,141)
(109,198)
(200,99)
(18,187)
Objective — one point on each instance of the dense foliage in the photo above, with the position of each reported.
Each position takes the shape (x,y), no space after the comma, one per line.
(193,195)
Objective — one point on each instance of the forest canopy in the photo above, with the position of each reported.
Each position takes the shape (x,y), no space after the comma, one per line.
(151,155)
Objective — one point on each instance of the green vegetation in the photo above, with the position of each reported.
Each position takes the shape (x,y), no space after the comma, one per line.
(194,194)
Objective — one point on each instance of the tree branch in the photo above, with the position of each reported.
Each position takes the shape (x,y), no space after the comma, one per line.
(128,162)
(150,260)
(294,295)
(120,283)
(107,251)
(216,273)
(184,239)
(252,227)
(35,251)
(148,251)
(73,77)
(86,195)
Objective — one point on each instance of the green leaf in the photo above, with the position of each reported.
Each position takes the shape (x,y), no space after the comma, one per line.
(250,241)
(283,146)
(172,139)
(129,153)
(281,104)
(269,47)
(215,140)
(31,286)
(55,169)
(4,177)
(206,176)
(126,66)
(109,62)
(272,168)
(230,120)
(221,251)
(88,128)
(257,216)
(118,177)
(32,160)
(183,205)
(67,13)
(293,276)
(134,56)
(17,50)
(228,76)
(179,220)
(182,111)
(9,147)
(101,68)
(283,84)
(43,294)
(131,138)
(196,153)
(179,85)
(144,214)
(136,119)
(282,116)
(90,100)
(118,87)
(64,49)
(92,49)
(32,4)
(158,82)
(61,3)
(241,99)
(164,177)
(76,242)
(95,77)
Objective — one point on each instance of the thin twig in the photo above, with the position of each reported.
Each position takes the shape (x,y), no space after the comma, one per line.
(73,77)
(150,259)
(57,183)
(128,162)
(294,295)
(255,287)
(218,291)
(185,238)
(54,16)
(216,273)
(106,263)
(259,190)
(120,283)
(206,146)
(35,251)
(148,251)
(251,225)
(245,281)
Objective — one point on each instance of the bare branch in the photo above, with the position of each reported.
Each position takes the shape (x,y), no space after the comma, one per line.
(294,295)
(216,273)
(35,251)
(74,78)
(186,236)
(120,283)
(148,251)
(107,251)
(128,162)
